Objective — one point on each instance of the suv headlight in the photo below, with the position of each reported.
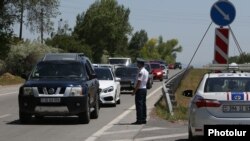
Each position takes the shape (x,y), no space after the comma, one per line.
(109,89)
(27,91)
(76,91)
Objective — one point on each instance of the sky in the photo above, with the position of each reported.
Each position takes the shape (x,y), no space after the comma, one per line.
(184,20)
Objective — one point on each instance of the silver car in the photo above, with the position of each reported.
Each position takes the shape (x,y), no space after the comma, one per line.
(220,99)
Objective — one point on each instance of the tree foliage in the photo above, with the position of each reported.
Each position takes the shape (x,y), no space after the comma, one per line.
(159,50)
(136,43)
(7,18)
(22,57)
(69,44)
(241,59)
(40,14)
(168,49)
(104,26)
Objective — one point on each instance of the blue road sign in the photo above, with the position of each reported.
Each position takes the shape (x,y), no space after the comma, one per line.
(223,12)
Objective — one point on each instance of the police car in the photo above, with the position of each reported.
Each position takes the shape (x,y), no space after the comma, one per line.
(222,98)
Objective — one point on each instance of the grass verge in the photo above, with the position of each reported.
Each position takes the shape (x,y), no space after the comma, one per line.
(190,81)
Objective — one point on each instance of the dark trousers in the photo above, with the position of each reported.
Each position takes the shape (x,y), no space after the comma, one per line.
(140,104)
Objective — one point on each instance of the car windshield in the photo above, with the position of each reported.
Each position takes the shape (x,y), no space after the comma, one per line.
(227,84)
(155,66)
(118,61)
(126,72)
(58,69)
(103,74)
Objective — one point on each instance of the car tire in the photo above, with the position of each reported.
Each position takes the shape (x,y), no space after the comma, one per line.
(95,113)
(161,79)
(118,101)
(39,117)
(114,104)
(193,138)
(84,117)
(24,117)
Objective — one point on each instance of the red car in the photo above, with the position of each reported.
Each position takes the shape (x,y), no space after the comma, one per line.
(157,71)
(170,66)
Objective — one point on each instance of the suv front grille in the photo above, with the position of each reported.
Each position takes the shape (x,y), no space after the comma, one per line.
(51,90)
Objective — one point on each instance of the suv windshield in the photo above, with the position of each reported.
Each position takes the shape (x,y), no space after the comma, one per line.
(227,84)
(118,61)
(126,72)
(58,69)
(155,66)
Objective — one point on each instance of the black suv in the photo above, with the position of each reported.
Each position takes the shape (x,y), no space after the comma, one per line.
(61,84)
(177,65)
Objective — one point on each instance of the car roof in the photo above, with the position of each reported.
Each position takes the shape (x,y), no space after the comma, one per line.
(228,74)
(63,56)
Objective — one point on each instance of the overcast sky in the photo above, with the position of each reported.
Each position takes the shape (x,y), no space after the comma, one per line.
(185,20)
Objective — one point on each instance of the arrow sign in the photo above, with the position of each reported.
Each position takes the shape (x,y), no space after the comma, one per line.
(223,13)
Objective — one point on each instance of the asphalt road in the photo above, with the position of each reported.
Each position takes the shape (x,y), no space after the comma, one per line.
(113,122)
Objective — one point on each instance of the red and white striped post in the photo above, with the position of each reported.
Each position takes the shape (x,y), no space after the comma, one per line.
(221,46)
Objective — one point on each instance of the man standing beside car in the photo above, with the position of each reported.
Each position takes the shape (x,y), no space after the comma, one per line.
(140,92)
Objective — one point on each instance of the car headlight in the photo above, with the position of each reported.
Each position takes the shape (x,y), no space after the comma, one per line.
(109,89)
(76,91)
(27,91)
(158,73)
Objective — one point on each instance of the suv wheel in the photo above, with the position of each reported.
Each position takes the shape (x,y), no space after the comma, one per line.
(95,113)
(24,117)
(84,117)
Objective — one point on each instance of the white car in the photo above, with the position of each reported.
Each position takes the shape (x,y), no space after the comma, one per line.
(222,98)
(109,86)
(165,71)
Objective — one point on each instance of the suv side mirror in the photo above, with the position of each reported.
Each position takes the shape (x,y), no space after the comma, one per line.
(188,93)
(117,79)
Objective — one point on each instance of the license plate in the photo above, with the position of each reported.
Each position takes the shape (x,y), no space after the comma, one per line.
(50,100)
(236,108)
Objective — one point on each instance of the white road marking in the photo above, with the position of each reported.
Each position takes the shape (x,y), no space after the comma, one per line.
(97,134)
(6,115)
(161,137)
(9,93)
(156,137)
(133,130)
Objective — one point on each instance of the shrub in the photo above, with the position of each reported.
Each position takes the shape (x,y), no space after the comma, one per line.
(22,57)
(2,67)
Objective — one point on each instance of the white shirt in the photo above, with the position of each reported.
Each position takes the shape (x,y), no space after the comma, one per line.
(143,77)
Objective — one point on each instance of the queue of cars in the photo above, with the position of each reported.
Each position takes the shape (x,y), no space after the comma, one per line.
(69,84)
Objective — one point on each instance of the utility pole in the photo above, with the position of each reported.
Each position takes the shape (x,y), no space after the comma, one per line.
(41,28)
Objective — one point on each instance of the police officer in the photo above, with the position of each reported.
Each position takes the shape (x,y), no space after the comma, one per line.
(140,92)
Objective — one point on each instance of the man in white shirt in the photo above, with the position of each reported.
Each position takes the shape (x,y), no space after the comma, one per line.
(140,92)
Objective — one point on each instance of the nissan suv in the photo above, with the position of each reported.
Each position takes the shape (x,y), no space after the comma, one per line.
(61,84)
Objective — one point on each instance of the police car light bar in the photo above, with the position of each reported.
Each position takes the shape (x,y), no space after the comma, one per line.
(229,67)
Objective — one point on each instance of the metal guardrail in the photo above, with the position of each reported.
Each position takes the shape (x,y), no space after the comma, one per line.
(169,88)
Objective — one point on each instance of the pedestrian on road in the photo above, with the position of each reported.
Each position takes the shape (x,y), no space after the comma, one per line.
(140,92)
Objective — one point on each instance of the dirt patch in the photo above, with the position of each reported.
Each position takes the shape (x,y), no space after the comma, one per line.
(9,79)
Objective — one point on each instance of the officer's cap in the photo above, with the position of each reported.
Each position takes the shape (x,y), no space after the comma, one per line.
(140,61)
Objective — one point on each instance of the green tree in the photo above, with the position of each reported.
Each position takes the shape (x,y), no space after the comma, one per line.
(40,14)
(149,51)
(104,26)
(137,42)
(69,44)
(168,50)
(241,59)
(7,18)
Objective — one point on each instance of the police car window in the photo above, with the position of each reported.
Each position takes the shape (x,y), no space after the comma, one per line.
(227,84)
